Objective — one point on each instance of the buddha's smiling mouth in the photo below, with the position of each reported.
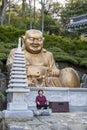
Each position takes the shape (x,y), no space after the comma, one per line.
(35,46)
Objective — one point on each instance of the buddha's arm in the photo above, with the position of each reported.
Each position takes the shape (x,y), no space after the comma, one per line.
(10,59)
(54,71)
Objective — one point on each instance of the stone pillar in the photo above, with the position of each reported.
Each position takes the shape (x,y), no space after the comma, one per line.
(17,106)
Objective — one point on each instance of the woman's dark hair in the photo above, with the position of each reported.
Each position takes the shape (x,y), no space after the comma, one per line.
(40,91)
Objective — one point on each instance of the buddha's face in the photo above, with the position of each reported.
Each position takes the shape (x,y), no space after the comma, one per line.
(33,42)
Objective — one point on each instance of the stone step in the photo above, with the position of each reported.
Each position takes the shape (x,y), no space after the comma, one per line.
(18,69)
(22,56)
(18,81)
(18,85)
(18,62)
(17,58)
(18,73)
(18,65)
(18,90)
(18,76)
(19,53)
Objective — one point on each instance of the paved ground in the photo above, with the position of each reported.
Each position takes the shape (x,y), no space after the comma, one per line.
(57,121)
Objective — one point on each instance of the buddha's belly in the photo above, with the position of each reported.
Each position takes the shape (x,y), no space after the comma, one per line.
(38,61)
(35,70)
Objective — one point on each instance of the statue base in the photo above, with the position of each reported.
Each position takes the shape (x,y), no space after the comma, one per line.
(16,105)
(77,97)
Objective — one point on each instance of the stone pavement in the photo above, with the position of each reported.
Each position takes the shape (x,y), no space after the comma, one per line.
(57,121)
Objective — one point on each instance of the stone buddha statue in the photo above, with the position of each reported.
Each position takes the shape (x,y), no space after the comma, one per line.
(40,64)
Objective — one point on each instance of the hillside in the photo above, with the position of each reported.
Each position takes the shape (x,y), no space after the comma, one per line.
(64,49)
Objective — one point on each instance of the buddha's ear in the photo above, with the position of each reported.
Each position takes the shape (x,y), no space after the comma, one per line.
(23,41)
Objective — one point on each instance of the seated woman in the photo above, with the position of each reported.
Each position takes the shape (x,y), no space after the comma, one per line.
(41,101)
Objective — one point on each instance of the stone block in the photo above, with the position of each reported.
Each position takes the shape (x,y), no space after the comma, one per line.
(12,127)
(17,106)
(17,114)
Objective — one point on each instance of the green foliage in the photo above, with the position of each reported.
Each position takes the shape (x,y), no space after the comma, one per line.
(1,94)
(19,22)
(5,49)
(80,44)
(66,58)
(10,34)
(81,53)
(3,56)
(63,48)
(8,39)
(18,15)
(60,55)
(83,62)
(51,25)
(55,49)
(7,46)
(66,44)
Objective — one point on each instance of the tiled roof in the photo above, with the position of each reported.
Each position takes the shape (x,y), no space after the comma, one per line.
(77,22)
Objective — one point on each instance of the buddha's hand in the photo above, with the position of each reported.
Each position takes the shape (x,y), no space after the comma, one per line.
(54,72)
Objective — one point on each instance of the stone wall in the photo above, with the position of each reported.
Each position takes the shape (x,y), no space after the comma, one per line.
(77,97)
(84,79)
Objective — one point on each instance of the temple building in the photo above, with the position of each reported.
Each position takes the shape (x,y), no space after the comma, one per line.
(78,24)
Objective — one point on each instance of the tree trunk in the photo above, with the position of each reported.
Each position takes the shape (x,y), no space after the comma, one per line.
(30,13)
(34,11)
(42,10)
(23,7)
(9,13)
(4,5)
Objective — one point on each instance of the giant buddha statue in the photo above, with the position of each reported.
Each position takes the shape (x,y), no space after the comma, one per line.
(40,64)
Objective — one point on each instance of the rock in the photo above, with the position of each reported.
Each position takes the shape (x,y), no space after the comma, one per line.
(2,83)
(42,112)
(1,123)
(2,101)
(84,79)
(0,115)
(2,91)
